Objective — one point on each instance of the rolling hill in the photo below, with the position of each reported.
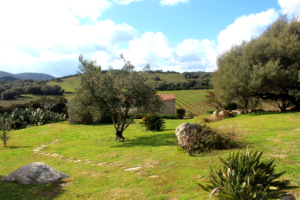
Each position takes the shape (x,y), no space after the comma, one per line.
(27,75)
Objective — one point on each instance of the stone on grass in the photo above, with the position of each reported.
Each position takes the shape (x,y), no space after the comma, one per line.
(132,169)
(184,130)
(35,173)
(214,115)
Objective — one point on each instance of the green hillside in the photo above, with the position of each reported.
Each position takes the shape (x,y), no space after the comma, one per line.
(70,83)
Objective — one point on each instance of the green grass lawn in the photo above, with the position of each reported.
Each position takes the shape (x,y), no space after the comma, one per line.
(277,134)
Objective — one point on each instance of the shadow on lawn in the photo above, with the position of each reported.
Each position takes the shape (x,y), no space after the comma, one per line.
(14,191)
(152,140)
(19,147)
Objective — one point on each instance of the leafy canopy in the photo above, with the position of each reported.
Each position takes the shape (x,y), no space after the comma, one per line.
(266,67)
(116,92)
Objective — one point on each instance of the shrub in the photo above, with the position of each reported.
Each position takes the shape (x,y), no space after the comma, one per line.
(180,113)
(153,122)
(51,90)
(244,177)
(9,94)
(32,89)
(191,115)
(157,78)
(203,138)
(20,90)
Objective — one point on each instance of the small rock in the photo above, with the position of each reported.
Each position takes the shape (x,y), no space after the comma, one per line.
(132,169)
(153,176)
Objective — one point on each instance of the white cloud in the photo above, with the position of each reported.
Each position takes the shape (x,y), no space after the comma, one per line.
(124,2)
(155,48)
(244,28)
(289,7)
(172,2)
(36,33)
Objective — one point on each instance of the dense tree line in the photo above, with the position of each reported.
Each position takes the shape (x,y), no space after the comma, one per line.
(59,105)
(193,80)
(12,89)
(265,68)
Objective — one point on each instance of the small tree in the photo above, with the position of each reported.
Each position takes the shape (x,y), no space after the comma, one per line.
(5,126)
(116,92)
(47,103)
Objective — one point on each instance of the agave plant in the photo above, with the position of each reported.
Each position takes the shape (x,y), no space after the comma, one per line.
(244,177)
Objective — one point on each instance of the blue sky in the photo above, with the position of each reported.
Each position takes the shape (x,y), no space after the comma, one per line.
(180,35)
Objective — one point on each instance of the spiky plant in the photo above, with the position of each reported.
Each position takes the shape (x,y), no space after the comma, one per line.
(245,177)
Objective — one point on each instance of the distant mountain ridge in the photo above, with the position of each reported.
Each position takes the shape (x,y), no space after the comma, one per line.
(23,76)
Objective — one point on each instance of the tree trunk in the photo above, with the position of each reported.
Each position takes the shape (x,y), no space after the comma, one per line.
(119,135)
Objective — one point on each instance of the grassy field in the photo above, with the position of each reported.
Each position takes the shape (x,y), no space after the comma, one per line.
(68,84)
(176,174)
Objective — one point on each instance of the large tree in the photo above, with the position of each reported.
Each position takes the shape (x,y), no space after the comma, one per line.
(116,92)
(265,67)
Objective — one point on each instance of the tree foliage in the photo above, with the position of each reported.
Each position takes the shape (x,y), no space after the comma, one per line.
(116,92)
(266,67)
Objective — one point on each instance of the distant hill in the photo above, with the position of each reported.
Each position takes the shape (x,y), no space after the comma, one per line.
(167,81)
(7,78)
(23,76)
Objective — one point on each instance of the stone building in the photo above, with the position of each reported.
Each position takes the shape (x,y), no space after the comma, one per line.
(169,104)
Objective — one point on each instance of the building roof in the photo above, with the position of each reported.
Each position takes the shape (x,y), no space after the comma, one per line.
(166,97)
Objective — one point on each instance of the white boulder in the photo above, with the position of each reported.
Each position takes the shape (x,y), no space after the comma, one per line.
(184,130)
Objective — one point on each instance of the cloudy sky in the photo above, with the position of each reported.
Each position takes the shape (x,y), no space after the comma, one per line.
(182,35)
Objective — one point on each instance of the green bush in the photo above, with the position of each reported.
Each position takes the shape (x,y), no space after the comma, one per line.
(203,138)
(153,122)
(180,113)
(245,177)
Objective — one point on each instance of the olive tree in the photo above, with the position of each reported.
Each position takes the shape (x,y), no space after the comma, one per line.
(264,68)
(117,92)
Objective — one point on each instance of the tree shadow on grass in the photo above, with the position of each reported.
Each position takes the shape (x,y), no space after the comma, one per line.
(19,147)
(152,140)
(15,191)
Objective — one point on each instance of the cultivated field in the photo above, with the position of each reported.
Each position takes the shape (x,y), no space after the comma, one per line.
(190,100)
(165,172)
